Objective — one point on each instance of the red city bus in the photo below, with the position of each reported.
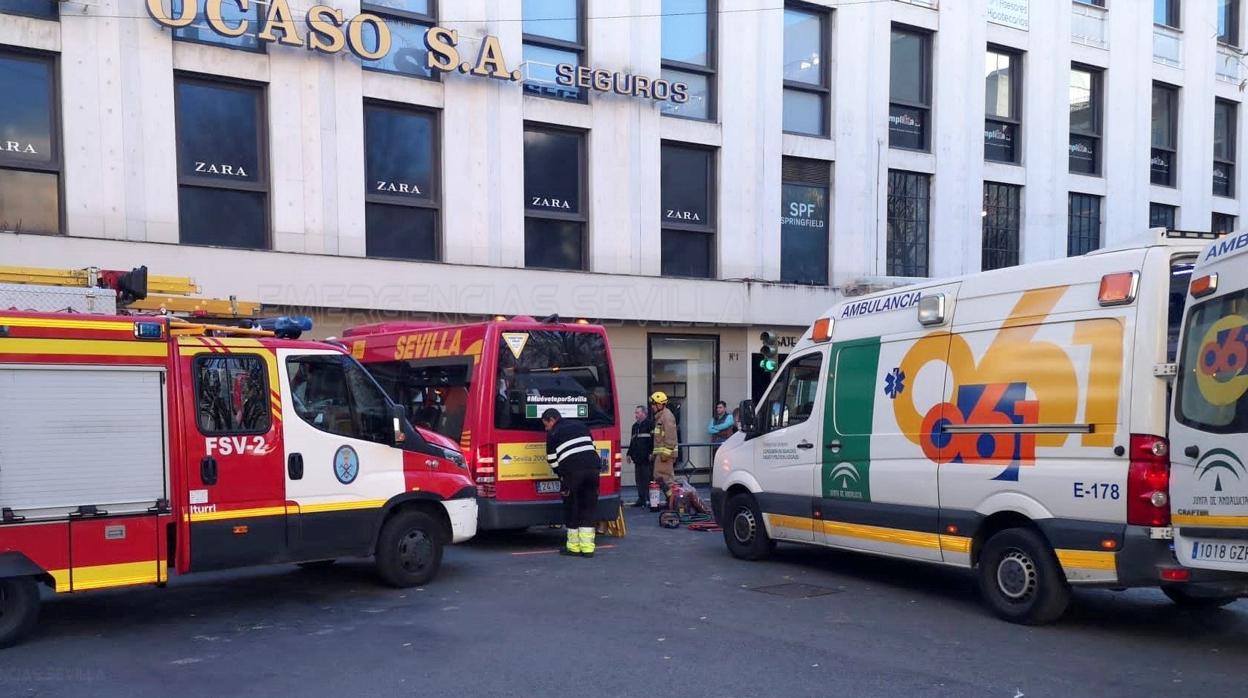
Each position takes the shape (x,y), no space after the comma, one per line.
(485,385)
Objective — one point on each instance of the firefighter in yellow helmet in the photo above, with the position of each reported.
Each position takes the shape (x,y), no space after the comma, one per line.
(665,441)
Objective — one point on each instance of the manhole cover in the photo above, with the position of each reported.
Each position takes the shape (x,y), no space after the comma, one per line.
(794,590)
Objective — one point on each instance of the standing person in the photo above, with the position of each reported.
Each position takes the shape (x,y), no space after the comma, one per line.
(640,447)
(722,424)
(666,440)
(571,453)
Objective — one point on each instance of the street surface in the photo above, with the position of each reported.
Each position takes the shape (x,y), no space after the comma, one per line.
(662,612)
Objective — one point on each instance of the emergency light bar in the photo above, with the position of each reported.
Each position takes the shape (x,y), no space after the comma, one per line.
(285,326)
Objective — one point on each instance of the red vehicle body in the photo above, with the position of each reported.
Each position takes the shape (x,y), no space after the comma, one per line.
(485,385)
(133,448)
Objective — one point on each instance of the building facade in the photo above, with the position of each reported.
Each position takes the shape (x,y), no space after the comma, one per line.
(688,172)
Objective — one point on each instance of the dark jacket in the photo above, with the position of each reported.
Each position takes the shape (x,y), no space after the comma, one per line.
(569,447)
(641,442)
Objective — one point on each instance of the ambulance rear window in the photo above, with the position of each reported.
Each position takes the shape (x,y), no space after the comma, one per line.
(231,395)
(1213,370)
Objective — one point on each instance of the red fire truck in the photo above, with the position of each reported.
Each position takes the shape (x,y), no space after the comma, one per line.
(485,386)
(136,447)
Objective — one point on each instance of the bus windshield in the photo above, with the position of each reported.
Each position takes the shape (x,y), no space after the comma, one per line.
(552,369)
(1213,376)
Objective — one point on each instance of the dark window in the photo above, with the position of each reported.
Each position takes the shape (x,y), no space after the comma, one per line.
(1083,226)
(401,213)
(689,55)
(1216,357)
(332,393)
(910,89)
(1228,22)
(1085,120)
(688,211)
(554,34)
(235,28)
(1002,105)
(1222,223)
(565,370)
(804,221)
(1094,3)
(1225,121)
(222,170)
(791,399)
(408,20)
(30,154)
(232,395)
(43,9)
(1165,129)
(1002,216)
(1166,12)
(909,199)
(554,207)
(807,72)
(1162,216)
(434,396)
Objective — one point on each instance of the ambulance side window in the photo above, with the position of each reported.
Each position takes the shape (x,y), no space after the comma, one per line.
(231,395)
(335,395)
(792,399)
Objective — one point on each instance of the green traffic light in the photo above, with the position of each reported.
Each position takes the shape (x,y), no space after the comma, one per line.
(767,365)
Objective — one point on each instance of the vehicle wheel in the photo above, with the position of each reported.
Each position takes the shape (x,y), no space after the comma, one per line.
(744,530)
(19,609)
(409,549)
(1021,579)
(1184,598)
(316,564)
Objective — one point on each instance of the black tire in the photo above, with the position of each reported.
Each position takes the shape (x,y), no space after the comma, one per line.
(19,609)
(409,549)
(1185,598)
(1021,579)
(316,564)
(744,530)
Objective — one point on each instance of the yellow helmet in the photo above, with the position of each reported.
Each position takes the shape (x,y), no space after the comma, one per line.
(659,397)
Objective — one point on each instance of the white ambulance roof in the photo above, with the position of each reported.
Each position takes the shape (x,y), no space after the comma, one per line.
(1220,251)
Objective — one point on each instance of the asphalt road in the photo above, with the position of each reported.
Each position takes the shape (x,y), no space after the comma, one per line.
(659,612)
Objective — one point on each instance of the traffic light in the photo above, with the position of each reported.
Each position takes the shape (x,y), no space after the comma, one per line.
(769,362)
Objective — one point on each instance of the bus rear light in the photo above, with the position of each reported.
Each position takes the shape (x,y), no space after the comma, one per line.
(1148,481)
(1204,285)
(485,472)
(1118,288)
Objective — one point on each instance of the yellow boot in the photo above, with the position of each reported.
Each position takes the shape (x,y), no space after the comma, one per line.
(573,546)
(587,541)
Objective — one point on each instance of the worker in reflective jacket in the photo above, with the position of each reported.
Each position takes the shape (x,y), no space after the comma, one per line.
(665,440)
(571,453)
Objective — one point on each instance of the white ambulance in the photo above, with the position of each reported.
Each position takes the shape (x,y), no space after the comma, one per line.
(1209,471)
(1011,421)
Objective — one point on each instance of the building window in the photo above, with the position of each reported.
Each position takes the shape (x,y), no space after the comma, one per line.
(222,171)
(1002,216)
(1222,223)
(1228,22)
(1166,13)
(910,89)
(689,56)
(1094,3)
(1083,224)
(687,180)
(1085,120)
(408,20)
(1165,129)
(555,209)
(804,221)
(43,9)
(1225,117)
(1162,216)
(554,34)
(807,74)
(235,28)
(30,148)
(1002,105)
(686,367)
(401,195)
(909,199)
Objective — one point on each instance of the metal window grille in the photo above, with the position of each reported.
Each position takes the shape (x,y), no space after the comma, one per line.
(1083,232)
(909,198)
(1002,209)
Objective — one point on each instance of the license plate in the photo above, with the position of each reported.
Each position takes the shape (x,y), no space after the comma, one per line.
(547,486)
(1235,552)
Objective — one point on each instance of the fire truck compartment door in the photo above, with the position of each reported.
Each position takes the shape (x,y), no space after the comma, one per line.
(82,440)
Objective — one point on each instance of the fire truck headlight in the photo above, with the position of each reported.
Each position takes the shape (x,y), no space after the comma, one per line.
(455,457)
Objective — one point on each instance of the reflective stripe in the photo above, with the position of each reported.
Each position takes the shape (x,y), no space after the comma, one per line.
(561,448)
(579,449)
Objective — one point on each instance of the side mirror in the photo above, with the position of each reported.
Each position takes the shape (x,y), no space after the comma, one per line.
(749,421)
(397,418)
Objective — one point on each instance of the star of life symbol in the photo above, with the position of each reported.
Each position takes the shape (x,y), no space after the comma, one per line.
(894,383)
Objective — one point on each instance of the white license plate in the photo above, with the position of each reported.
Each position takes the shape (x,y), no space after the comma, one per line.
(1210,550)
(547,486)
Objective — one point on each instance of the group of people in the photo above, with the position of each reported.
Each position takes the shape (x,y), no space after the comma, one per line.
(654,442)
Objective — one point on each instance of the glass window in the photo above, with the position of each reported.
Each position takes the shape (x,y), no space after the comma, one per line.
(909,199)
(401,186)
(1002,127)
(687,198)
(689,56)
(804,221)
(807,75)
(202,32)
(222,173)
(1225,121)
(1085,121)
(408,20)
(1222,223)
(44,9)
(1213,373)
(332,393)
(910,79)
(686,367)
(565,369)
(1002,223)
(791,399)
(433,396)
(232,395)
(1162,216)
(1083,231)
(30,158)
(553,35)
(1165,126)
(555,213)
(1166,12)
(1228,22)
(1094,3)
